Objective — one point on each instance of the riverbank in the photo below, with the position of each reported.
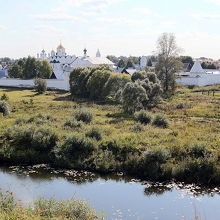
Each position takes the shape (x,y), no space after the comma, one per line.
(43,209)
(44,129)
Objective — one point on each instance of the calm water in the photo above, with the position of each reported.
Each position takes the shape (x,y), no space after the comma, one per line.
(119,197)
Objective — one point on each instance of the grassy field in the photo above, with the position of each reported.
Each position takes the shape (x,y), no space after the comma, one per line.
(192,139)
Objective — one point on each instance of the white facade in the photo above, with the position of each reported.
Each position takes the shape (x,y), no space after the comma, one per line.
(143,62)
(198,76)
(61,62)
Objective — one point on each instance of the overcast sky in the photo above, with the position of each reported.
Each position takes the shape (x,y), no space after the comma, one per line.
(118,27)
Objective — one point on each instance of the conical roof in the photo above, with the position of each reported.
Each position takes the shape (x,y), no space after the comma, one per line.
(98,54)
(197,68)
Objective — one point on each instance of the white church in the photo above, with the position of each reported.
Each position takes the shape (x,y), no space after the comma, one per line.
(61,62)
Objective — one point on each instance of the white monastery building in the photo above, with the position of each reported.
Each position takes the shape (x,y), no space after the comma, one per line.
(61,62)
(198,76)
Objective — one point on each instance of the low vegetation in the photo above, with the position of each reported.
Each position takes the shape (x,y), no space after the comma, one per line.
(40,85)
(45,209)
(4,108)
(176,139)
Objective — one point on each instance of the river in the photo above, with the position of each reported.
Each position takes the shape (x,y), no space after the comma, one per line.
(118,196)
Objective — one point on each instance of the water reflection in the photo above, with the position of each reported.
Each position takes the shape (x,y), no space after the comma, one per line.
(121,197)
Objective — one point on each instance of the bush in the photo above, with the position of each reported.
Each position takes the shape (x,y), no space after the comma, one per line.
(4,97)
(137,128)
(180,105)
(30,137)
(133,96)
(73,124)
(40,85)
(65,209)
(38,119)
(198,151)
(191,86)
(149,165)
(77,148)
(7,202)
(4,108)
(160,121)
(96,82)
(95,133)
(84,115)
(143,117)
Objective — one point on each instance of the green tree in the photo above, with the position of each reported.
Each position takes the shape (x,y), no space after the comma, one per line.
(168,62)
(149,63)
(133,96)
(15,71)
(129,64)
(44,69)
(187,59)
(31,68)
(121,63)
(96,83)
(113,58)
(208,65)
(114,84)
(138,75)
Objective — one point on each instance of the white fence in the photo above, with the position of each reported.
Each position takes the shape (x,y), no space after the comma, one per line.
(29,83)
(200,79)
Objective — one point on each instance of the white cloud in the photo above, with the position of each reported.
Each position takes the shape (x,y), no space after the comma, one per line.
(48,28)
(217,2)
(125,21)
(2,27)
(146,11)
(168,24)
(59,17)
(206,16)
(97,6)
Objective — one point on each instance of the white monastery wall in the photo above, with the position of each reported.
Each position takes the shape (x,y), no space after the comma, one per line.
(29,83)
(201,80)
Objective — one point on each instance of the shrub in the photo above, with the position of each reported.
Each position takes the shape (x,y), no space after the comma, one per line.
(149,164)
(133,96)
(143,117)
(77,148)
(180,105)
(137,128)
(191,86)
(7,202)
(30,137)
(95,133)
(65,209)
(4,108)
(4,97)
(37,119)
(138,75)
(73,124)
(40,85)
(160,121)
(84,115)
(96,82)
(198,151)
(115,83)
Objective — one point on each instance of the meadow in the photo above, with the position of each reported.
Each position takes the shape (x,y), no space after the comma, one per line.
(46,128)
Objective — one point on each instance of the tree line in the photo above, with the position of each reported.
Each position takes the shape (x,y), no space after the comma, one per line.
(142,90)
(28,68)
(127,62)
